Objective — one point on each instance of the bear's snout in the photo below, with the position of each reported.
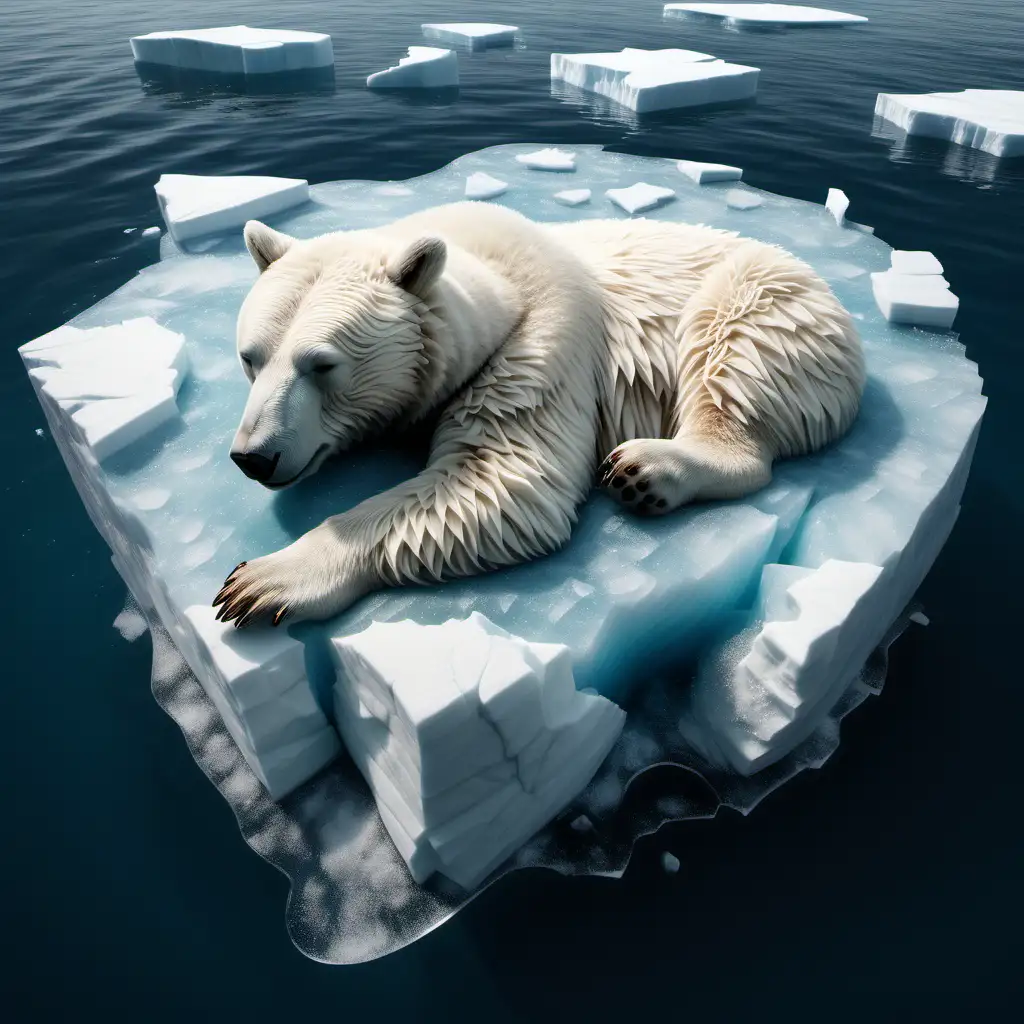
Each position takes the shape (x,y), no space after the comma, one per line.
(254,466)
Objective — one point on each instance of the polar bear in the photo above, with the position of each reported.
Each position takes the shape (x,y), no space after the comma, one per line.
(678,360)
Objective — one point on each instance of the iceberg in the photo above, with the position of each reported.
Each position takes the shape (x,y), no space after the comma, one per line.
(991,120)
(649,80)
(704,173)
(235,50)
(194,205)
(765,14)
(804,577)
(426,67)
(477,35)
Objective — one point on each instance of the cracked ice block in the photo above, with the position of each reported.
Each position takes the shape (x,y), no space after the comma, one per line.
(639,197)
(194,205)
(991,120)
(235,50)
(548,160)
(425,67)
(923,300)
(648,80)
(904,262)
(765,14)
(477,35)
(529,740)
(704,173)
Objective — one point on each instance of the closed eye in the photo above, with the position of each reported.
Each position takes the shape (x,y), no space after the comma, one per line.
(323,368)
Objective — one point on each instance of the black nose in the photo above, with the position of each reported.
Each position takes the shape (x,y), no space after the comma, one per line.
(256,467)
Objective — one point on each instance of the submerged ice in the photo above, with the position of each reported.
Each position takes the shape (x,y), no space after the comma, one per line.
(804,577)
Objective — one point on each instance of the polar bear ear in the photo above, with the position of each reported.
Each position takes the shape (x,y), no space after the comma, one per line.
(265,245)
(419,265)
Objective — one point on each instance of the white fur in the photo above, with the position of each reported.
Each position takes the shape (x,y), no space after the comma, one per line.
(689,356)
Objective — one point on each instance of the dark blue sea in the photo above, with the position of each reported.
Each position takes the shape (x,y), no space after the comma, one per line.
(888,884)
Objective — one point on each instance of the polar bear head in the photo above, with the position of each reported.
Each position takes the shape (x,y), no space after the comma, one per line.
(331,339)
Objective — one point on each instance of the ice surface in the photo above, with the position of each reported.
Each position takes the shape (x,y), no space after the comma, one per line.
(704,173)
(471,739)
(837,203)
(766,14)
(548,160)
(475,34)
(178,516)
(236,50)
(904,262)
(991,120)
(194,205)
(639,197)
(426,67)
(484,186)
(648,80)
(573,196)
(920,299)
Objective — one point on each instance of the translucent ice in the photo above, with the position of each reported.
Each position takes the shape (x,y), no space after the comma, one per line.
(475,34)
(470,738)
(236,50)
(194,205)
(704,173)
(426,67)
(548,160)
(648,80)
(639,197)
(991,120)
(885,496)
(915,298)
(766,14)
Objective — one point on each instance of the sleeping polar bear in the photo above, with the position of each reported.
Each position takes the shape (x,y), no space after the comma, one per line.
(687,358)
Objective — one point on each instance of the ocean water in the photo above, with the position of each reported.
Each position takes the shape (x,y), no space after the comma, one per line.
(895,870)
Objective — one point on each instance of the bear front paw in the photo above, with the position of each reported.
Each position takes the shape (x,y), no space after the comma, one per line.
(646,476)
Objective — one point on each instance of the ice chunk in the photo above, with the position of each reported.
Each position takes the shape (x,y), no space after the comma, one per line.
(484,186)
(705,173)
(991,120)
(110,424)
(235,50)
(904,262)
(920,618)
(669,863)
(476,34)
(426,67)
(837,204)
(640,197)
(766,14)
(573,196)
(194,205)
(548,160)
(920,299)
(470,738)
(150,232)
(737,199)
(648,80)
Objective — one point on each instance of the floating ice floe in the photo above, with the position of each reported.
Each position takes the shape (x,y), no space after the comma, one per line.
(484,186)
(639,197)
(548,160)
(737,199)
(573,196)
(765,14)
(475,34)
(426,67)
(648,80)
(837,204)
(470,738)
(194,205)
(923,300)
(991,120)
(705,173)
(235,50)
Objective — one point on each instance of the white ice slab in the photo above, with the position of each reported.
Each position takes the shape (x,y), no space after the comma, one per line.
(470,738)
(704,173)
(837,204)
(639,197)
(425,67)
(548,160)
(236,50)
(573,196)
(648,80)
(767,14)
(737,199)
(476,34)
(484,186)
(991,120)
(920,299)
(110,424)
(194,205)
(919,262)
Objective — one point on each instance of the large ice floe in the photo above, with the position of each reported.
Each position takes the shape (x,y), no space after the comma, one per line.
(453,733)
(764,15)
(425,67)
(237,49)
(649,80)
(991,120)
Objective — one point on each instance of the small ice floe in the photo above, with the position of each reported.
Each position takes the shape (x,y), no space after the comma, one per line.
(548,160)
(774,15)
(482,186)
(477,35)
(737,199)
(425,67)
(669,863)
(704,173)
(573,196)
(639,197)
